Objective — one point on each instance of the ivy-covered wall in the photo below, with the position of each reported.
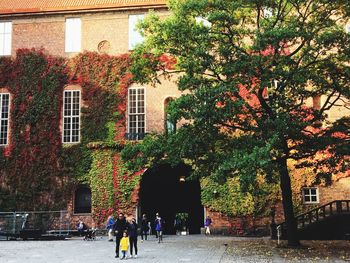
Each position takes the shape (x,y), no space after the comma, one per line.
(38,172)
(229,199)
(112,183)
(31,167)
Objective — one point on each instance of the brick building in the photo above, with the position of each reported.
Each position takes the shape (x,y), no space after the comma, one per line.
(66,28)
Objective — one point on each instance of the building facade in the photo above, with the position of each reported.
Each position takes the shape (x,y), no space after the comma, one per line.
(66,28)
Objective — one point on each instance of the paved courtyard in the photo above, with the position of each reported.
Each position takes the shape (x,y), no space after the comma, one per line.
(194,248)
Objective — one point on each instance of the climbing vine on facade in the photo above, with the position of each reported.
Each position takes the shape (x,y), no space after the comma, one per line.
(30,164)
(38,171)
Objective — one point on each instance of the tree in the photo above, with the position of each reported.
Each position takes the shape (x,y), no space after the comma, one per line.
(248,70)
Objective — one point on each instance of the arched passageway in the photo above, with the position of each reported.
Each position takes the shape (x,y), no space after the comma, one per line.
(168,190)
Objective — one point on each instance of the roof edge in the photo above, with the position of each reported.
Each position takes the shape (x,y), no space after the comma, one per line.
(80,9)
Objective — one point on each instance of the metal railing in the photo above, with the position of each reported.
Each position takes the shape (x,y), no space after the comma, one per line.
(330,209)
(11,223)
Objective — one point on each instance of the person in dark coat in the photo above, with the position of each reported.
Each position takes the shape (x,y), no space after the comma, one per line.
(119,227)
(144,227)
(81,227)
(132,231)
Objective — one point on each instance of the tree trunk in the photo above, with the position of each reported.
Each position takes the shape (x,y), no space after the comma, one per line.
(292,230)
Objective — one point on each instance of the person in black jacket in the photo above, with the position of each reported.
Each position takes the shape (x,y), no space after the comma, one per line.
(119,227)
(144,227)
(132,231)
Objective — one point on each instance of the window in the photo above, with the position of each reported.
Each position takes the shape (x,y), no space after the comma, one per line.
(267,12)
(203,21)
(316,102)
(134,36)
(136,112)
(73,34)
(347,28)
(170,125)
(82,200)
(71,116)
(5,38)
(4,117)
(271,88)
(310,195)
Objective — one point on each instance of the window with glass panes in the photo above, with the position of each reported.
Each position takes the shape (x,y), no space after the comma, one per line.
(136,113)
(73,35)
(310,195)
(5,38)
(71,116)
(170,125)
(4,117)
(134,35)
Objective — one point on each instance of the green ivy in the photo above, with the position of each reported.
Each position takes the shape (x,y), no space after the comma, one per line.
(229,199)
(38,171)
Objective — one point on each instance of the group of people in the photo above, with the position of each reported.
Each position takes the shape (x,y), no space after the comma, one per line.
(125,232)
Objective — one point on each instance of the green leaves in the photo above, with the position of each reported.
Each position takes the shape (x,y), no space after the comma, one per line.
(248,80)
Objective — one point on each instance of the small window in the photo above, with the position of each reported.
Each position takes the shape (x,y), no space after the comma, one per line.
(135,36)
(316,102)
(4,117)
(5,38)
(310,195)
(71,116)
(170,126)
(267,12)
(347,28)
(82,200)
(73,35)
(203,21)
(136,114)
(270,89)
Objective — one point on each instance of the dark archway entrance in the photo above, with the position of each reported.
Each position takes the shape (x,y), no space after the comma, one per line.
(163,191)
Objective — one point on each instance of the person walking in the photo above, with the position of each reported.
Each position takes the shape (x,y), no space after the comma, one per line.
(124,244)
(132,231)
(159,224)
(144,227)
(109,227)
(119,228)
(207,224)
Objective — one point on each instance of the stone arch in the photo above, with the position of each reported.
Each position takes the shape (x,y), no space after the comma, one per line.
(169,190)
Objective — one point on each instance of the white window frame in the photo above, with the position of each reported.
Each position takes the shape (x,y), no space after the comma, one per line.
(137,113)
(6,118)
(170,127)
(203,21)
(73,34)
(347,28)
(308,189)
(135,37)
(5,38)
(267,12)
(70,117)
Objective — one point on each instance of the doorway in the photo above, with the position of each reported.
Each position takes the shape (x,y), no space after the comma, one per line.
(168,191)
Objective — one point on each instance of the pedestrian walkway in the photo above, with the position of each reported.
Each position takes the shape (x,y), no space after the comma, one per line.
(174,249)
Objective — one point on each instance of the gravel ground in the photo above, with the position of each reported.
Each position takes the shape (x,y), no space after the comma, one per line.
(194,248)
